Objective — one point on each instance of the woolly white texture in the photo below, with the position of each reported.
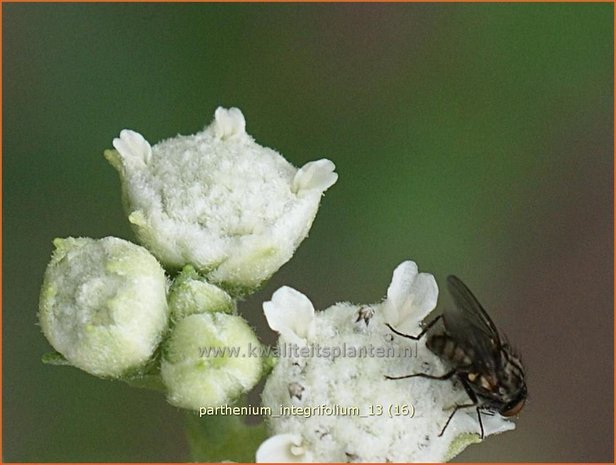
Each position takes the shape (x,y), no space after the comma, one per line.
(217,200)
(360,382)
(103,304)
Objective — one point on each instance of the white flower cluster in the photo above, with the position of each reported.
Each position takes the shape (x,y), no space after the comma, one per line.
(221,214)
(217,205)
(395,420)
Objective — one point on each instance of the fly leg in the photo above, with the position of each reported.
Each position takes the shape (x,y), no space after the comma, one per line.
(473,397)
(460,407)
(469,392)
(418,337)
(447,375)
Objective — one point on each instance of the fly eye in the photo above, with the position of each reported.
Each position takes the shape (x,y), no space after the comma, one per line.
(513,410)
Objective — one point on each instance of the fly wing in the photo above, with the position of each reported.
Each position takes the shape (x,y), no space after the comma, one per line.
(470,326)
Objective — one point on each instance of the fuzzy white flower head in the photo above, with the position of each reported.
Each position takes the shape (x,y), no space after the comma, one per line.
(103,304)
(199,367)
(217,200)
(345,408)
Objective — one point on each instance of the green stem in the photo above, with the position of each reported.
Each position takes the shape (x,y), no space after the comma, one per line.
(218,438)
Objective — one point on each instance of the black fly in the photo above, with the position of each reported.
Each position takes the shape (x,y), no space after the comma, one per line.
(486,366)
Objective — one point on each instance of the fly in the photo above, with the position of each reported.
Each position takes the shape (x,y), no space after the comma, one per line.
(487,367)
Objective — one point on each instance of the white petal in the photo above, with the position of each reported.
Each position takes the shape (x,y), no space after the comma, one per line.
(425,295)
(229,123)
(133,146)
(315,175)
(496,424)
(291,314)
(401,282)
(410,297)
(283,448)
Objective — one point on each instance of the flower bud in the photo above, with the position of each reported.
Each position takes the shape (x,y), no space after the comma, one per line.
(103,304)
(209,360)
(192,294)
(218,201)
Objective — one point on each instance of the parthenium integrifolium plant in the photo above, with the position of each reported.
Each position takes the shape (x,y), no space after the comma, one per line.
(216,215)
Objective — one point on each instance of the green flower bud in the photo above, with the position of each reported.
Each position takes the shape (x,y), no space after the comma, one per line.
(103,304)
(192,294)
(209,360)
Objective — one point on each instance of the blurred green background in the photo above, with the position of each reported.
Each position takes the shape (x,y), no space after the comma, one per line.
(475,139)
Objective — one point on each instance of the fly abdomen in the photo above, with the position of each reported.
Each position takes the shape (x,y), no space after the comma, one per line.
(445,347)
